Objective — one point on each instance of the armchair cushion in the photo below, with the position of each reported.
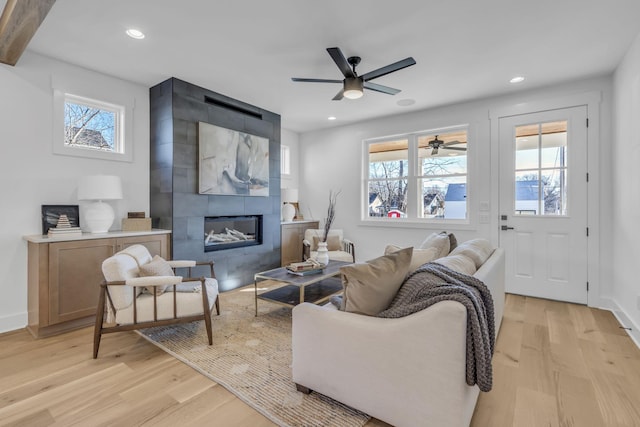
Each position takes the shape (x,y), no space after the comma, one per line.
(333,242)
(370,287)
(156,267)
(188,303)
(310,233)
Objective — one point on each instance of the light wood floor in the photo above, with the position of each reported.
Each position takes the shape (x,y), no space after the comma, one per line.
(556,364)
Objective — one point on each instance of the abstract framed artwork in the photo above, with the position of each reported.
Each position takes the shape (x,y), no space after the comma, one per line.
(51,214)
(232,162)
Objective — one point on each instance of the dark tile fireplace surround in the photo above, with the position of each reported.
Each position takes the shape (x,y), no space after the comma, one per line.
(176,109)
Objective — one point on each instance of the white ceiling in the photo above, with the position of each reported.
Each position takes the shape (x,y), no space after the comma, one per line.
(250,49)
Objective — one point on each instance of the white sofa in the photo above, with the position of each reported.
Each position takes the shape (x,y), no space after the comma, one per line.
(408,371)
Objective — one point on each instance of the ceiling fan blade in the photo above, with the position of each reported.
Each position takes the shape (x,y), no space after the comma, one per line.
(454,148)
(341,61)
(381,88)
(339,95)
(452,143)
(298,79)
(407,62)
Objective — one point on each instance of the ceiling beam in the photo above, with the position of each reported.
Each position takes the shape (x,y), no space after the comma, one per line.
(19,22)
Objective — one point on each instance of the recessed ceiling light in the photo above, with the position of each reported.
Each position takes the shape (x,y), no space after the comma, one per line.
(517,79)
(135,34)
(406,102)
(331,118)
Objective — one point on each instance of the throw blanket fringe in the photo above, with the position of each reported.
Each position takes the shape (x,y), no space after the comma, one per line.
(432,283)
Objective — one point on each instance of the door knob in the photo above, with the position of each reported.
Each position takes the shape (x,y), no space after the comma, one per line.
(504,227)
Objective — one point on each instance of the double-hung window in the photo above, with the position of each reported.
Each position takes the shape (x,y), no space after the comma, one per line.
(418,176)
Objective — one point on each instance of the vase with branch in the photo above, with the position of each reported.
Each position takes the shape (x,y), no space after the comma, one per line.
(323,254)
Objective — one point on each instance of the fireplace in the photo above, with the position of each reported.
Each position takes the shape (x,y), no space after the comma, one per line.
(226,232)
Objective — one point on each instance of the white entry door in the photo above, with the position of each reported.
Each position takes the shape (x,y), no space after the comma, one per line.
(543,203)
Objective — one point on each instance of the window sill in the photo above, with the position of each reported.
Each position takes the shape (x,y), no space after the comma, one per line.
(449,224)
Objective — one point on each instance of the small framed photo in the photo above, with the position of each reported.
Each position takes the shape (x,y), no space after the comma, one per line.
(51,214)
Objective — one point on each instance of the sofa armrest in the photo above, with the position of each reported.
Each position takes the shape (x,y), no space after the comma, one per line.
(419,359)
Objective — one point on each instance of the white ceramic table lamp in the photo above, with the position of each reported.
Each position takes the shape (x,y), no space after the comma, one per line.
(99,215)
(288,196)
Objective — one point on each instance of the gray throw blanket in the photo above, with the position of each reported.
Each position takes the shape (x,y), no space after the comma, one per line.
(432,283)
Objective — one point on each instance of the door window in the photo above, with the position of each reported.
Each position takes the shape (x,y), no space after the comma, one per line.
(541,169)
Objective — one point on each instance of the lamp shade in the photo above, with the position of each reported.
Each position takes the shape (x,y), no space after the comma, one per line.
(100,187)
(289,195)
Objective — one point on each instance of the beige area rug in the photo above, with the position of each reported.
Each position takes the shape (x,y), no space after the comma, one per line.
(251,357)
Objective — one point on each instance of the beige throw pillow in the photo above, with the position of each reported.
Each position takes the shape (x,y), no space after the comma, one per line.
(440,241)
(419,257)
(460,263)
(479,250)
(333,243)
(156,267)
(370,287)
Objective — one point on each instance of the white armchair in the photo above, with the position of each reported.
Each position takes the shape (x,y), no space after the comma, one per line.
(340,249)
(124,305)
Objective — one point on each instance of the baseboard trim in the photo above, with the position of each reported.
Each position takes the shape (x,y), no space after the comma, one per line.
(13,322)
(624,320)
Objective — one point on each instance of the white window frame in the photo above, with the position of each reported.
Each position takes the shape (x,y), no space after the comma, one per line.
(285,160)
(123,106)
(413,176)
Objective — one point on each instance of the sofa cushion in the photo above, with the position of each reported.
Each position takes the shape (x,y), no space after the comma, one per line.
(419,257)
(459,262)
(156,267)
(440,241)
(333,243)
(479,250)
(370,287)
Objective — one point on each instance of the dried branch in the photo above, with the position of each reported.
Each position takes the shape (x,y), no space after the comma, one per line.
(331,213)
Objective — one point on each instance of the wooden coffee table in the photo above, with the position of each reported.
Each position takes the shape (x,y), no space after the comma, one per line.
(314,288)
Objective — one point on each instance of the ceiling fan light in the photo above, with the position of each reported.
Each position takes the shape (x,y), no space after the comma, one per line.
(353,88)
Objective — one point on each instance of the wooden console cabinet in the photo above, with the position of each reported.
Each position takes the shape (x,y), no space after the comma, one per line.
(292,235)
(64,274)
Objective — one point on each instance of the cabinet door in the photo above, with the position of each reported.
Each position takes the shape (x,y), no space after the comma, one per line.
(157,244)
(291,244)
(75,273)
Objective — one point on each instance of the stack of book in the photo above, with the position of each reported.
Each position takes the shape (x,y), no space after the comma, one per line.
(305,268)
(64,228)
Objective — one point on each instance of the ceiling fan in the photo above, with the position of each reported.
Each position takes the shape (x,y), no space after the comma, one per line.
(436,143)
(353,84)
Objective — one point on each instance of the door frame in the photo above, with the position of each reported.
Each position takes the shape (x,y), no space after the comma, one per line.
(592,101)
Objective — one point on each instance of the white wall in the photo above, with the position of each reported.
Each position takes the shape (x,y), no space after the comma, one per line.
(292,140)
(332,159)
(31,175)
(625,211)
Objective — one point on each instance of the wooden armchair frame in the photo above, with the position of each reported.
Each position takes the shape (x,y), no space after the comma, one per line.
(105,298)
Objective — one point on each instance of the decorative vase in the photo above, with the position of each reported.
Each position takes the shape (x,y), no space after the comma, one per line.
(323,254)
